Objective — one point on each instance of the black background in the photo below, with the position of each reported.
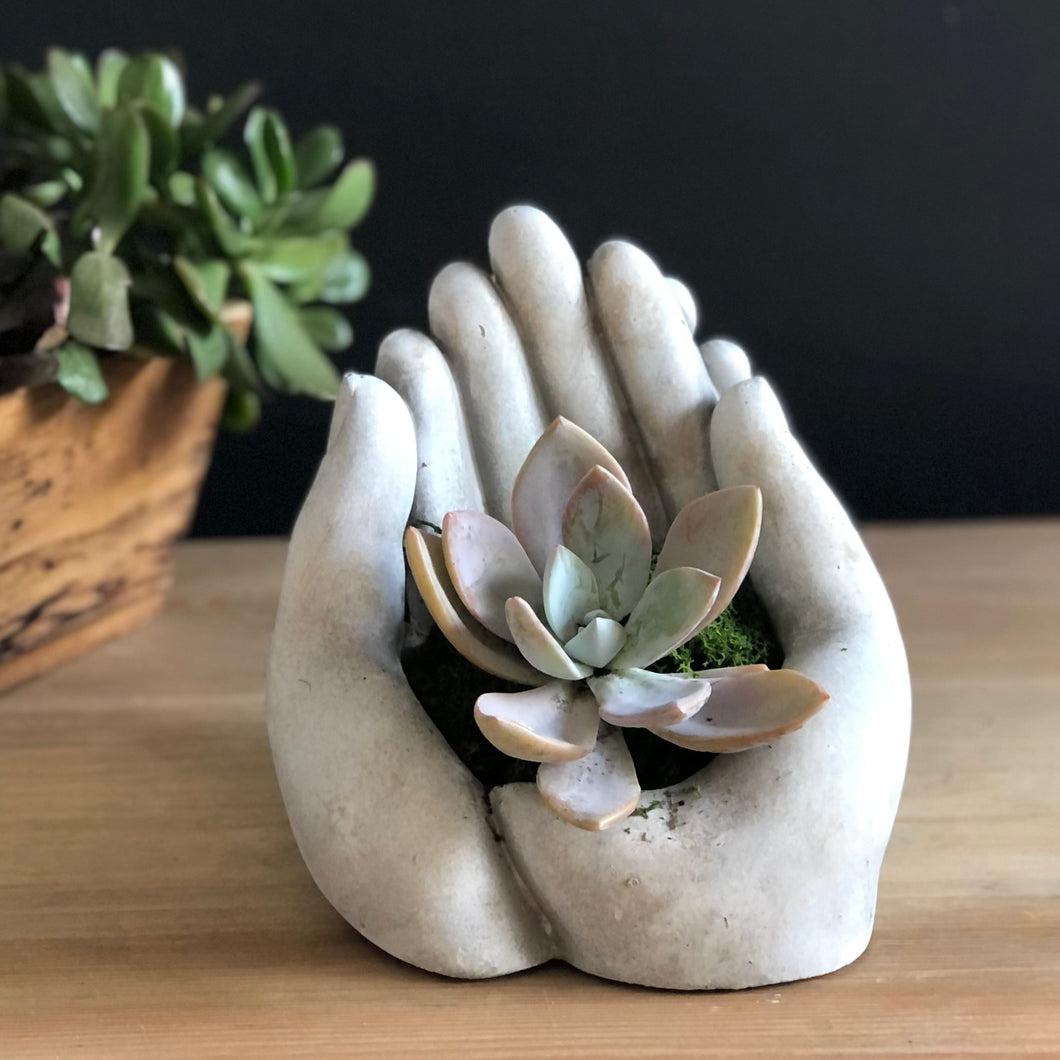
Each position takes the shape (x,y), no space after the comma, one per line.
(866,195)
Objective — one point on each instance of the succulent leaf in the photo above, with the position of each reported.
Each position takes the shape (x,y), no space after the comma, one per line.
(205,281)
(232,183)
(556,463)
(22,225)
(748,710)
(718,533)
(79,372)
(597,642)
(672,606)
(156,80)
(643,698)
(554,723)
(75,89)
(457,624)
(297,258)
(595,791)
(109,67)
(348,200)
(537,645)
(606,528)
(569,590)
(99,302)
(488,567)
(328,328)
(317,154)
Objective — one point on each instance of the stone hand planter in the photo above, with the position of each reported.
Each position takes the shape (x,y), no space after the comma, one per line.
(763,866)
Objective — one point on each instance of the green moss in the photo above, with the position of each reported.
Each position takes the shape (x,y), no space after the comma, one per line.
(447,686)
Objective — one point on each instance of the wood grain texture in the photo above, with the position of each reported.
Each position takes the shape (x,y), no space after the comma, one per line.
(152,902)
(92,501)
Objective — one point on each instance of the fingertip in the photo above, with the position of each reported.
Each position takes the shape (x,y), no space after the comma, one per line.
(727,363)
(343,403)
(686,300)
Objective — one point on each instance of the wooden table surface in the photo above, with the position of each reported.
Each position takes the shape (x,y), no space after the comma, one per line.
(153,904)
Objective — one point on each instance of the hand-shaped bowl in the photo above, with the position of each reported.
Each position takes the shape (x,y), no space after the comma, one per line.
(764,866)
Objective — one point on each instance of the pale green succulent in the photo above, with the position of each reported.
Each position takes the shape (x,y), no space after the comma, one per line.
(567,601)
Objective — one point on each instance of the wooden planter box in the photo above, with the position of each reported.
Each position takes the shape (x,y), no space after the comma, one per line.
(92,500)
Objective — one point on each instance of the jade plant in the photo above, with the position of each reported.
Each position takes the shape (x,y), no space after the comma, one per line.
(126,224)
(572,602)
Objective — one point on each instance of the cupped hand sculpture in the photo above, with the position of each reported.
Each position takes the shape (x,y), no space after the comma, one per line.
(764,866)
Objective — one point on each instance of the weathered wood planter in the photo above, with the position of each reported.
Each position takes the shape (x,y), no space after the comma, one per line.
(92,501)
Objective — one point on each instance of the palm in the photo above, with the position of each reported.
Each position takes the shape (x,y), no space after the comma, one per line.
(622,364)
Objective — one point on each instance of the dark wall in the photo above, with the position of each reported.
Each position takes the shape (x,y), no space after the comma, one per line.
(867,195)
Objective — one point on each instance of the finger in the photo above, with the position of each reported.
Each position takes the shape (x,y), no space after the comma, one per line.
(347,734)
(483,348)
(661,370)
(726,362)
(446,479)
(811,567)
(687,301)
(541,280)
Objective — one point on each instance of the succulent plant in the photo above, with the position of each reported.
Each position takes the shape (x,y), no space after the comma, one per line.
(571,602)
(113,185)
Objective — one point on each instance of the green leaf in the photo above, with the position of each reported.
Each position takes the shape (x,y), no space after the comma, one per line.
(155,329)
(239,369)
(154,79)
(279,151)
(327,327)
(232,183)
(254,138)
(182,188)
(346,279)
(79,372)
(109,67)
(165,147)
(208,352)
(230,239)
(205,281)
(22,225)
(47,193)
(216,123)
(99,302)
(299,258)
(120,168)
(317,154)
(283,344)
(242,410)
(165,289)
(350,196)
(75,89)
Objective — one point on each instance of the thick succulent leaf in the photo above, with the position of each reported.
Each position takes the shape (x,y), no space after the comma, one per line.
(645,699)
(554,723)
(242,411)
(154,79)
(458,625)
(216,121)
(596,791)
(570,592)
(75,88)
(540,649)
(208,351)
(488,567)
(719,673)
(254,138)
(718,533)
(328,328)
(120,169)
(165,145)
(21,226)
(109,66)
(317,154)
(233,242)
(99,302)
(79,372)
(746,711)
(672,607)
(232,183)
(606,528)
(205,281)
(284,343)
(280,152)
(349,197)
(558,461)
(598,642)
(296,258)
(345,279)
